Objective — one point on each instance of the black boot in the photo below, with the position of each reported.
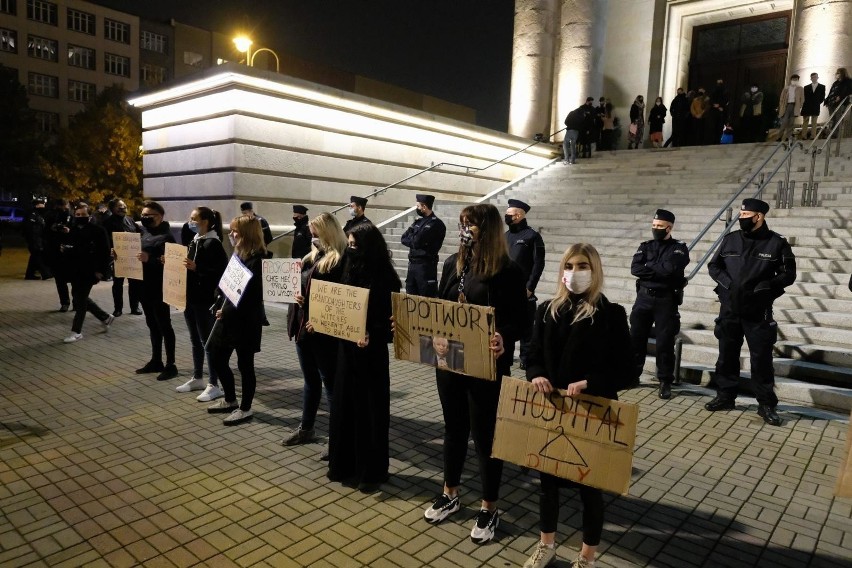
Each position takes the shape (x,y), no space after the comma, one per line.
(768,414)
(665,390)
(721,402)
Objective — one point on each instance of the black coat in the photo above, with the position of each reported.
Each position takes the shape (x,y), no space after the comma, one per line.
(301,241)
(119,224)
(354,222)
(424,237)
(679,107)
(595,349)
(210,262)
(657,117)
(241,327)
(659,264)
(813,99)
(153,242)
(86,252)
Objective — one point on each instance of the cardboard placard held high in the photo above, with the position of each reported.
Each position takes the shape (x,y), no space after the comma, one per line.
(443,334)
(339,310)
(587,439)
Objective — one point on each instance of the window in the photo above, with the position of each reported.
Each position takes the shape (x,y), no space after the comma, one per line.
(153,42)
(80,92)
(81,21)
(152,74)
(116,65)
(9,7)
(41,11)
(116,31)
(42,48)
(192,58)
(47,121)
(81,57)
(43,85)
(8,40)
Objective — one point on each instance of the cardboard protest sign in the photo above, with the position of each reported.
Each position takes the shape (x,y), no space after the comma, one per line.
(234,280)
(339,310)
(127,246)
(282,279)
(443,334)
(174,276)
(584,438)
(844,474)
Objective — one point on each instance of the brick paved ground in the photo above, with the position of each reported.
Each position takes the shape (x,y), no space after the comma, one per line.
(99,467)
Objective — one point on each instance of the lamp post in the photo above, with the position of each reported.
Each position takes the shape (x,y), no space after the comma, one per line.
(243,45)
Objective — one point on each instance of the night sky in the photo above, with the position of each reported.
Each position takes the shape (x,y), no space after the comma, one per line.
(458,50)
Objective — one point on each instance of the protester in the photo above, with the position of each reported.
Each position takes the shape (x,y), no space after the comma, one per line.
(637,123)
(840,89)
(656,118)
(34,233)
(360,417)
(240,327)
(58,223)
(120,222)
(205,263)
(751,115)
(679,110)
(580,344)
(607,129)
(479,273)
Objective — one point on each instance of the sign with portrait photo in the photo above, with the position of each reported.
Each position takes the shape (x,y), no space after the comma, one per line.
(443,334)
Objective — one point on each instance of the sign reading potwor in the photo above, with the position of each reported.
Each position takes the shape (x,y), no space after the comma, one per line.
(339,310)
(844,473)
(234,280)
(282,279)
(127,246)
(583,438)
(443,334)
(174,276)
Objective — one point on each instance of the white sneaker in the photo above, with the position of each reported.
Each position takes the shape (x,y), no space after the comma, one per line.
(542,556)
(107,322)
(237,417)
(191,385)
(73,337)
(485,526)
(210,393)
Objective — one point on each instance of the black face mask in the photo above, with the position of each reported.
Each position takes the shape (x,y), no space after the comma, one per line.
(81,221)
(299,221)
(747,223)
(147,222)
(419,212)
(659,234)
(509,219)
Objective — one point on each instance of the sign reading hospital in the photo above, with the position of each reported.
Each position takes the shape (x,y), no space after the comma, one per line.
(234,280)
(587,439)
(339,310)
(282,279)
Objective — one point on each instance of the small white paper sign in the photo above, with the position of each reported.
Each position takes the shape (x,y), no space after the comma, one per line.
(282,279)
(234,280)
(127,246)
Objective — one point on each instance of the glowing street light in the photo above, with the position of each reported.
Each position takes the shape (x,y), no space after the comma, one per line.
(243,45)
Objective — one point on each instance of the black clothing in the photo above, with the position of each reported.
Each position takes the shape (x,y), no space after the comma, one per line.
(267,232)
(210,262)
(153,242)
(301,240)
(576,118)
(424,238)
(657,117)
(469,404)
(34,232)
(123,224)
(240,327)
(839,90)
(751,270)
(354,222)
(526,248)
(588,132)
(659,264)
(85,254)
(813,99)
(120,224)
(679,110)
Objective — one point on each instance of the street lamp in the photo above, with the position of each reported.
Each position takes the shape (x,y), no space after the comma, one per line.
(243,45)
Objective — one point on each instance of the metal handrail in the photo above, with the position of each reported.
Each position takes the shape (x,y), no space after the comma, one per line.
(763,183)
(843,104)
(538,140)
(846,107)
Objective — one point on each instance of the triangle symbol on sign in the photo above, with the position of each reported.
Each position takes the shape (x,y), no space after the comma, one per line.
(560,448)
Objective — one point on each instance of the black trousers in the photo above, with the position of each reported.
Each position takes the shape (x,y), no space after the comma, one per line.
(37,264)
(532,304)
(422,279)
(62,282)
(220,357)
(82,303)
(159,321)
(761,333)
(678,132)
(662,313)
(470,407)
(593,507)
(134,291)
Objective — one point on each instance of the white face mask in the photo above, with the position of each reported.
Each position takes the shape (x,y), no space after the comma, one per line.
(754,89)
(794,82)
(577,281)
(351,211)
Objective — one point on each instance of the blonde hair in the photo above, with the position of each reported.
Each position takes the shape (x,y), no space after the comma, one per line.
(251,236)
(588,304)
(490,251)
(332,242)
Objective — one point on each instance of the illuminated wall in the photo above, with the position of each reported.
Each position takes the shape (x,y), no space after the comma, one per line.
(234,133)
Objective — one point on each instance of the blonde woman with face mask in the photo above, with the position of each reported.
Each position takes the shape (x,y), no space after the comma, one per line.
(580,344)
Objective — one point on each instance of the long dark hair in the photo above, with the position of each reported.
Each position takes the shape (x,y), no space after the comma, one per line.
(372,259)
(213,218)
(490,252)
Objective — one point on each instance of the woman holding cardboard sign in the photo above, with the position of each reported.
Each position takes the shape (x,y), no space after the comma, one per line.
(239,328)
(480,273)
(581,344)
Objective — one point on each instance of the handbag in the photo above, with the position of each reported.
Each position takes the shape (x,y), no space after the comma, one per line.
(633,128)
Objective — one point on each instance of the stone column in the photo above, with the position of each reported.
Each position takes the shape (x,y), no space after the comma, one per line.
(822,40)
(532,67)
(578,60)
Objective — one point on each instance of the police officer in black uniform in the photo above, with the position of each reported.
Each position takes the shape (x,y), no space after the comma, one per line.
(526,248)
(247,208)
(356,212)
(751,268)
(424,237)
(302,233)
(658,265)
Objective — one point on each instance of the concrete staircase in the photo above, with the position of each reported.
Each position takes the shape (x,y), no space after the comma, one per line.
(609,201)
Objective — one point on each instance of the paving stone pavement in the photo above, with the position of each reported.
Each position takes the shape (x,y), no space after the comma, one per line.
(102,467)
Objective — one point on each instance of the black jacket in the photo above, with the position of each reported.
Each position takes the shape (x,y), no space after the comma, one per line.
(241,327)
(381,279)
(813,99)
(297,316)
(576,118)
(86,252)
(659,264)
(210,262)
(119,224)
(679,107)
(752,269)
(354,222)
(526,248)
(425,237)
(267,232)
(839,90)
(657,117)
(595,349)
(34,229)
(154,243)
(301,241)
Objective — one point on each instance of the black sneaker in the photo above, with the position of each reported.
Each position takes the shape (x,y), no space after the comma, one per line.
(169,372)
(136,312)
(151,367)
(720,403)
(485,526)
(443,507)
(116,314)
(63,308)
(769,415)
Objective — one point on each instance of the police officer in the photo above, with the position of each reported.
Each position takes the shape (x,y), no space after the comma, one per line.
(356,212)
(302,233)
(424,237)
(751,268)
(658,266)
(526,248)
(247,208)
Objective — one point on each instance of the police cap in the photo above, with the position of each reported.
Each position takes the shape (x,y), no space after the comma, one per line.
(427,200)
(359,201)
(301,209)
(519,204)
(755,205)
(664,215)
(245,205)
